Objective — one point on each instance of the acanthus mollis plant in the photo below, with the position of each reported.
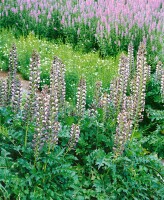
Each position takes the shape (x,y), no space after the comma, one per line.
(81,98)
(118,87)
(139,84)
(54,90)
(62,84)
(30,108)
(47,128)
(158,71)
(96,98)
(74,136)
(16,96)
(159,76)
(34,83)
(162,85)
(11,88)
(13,62)
(97,93)
(3,93)
(104,104)
(131,60)
(58,83)
(42,107)
(123,132)
(133,105)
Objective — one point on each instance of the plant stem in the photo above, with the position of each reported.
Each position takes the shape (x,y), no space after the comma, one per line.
(25,140)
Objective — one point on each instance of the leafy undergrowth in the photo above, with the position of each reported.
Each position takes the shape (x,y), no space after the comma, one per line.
(90,171)
(52,148)
(152,126)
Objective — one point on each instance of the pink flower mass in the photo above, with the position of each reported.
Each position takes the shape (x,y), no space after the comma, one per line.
(101,16)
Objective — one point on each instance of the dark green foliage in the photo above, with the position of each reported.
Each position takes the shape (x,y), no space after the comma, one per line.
(90,171)
(132,176)
(89,168)
(153,124)
(51,176)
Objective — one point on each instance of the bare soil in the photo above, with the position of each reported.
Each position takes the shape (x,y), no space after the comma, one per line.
(25,84)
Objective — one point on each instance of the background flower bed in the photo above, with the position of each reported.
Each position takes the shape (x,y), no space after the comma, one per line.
(100,25)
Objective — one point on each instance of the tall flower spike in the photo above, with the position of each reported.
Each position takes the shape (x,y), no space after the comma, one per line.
(148,72)
(139,86)
(162,84)
(62,84)
(123,132)
(17,95)
(37,140)
(104,103)
(131,59)
(54,90)
(41,131)
(74,135)
(11,80)
(81,98)
(114,91)
(3,92)
(158,71)
(34,81)
(98,92)
(128,106)
(97,98)
(119,87)
(52,138)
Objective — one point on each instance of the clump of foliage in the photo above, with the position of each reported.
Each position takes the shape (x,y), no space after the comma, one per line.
(55,149)
(153,124)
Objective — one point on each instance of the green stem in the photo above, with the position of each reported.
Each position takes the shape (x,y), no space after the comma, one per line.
(25,140)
